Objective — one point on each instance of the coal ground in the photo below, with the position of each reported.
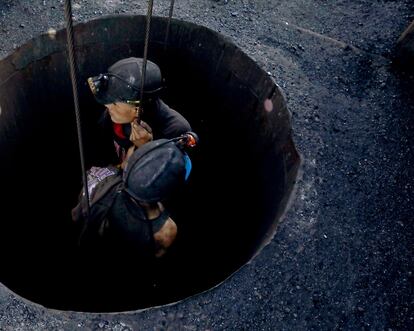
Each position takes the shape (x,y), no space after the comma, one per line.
(342,258)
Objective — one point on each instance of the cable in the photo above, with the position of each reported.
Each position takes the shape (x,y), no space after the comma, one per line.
(144,62)
(73,76)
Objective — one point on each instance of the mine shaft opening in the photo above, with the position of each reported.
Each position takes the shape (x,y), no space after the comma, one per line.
(243,170)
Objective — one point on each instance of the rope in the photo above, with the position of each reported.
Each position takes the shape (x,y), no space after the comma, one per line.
(167,32)
(73,76)
(144,61)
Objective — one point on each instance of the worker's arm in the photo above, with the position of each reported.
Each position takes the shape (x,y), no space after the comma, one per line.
(165,121)
(164,235)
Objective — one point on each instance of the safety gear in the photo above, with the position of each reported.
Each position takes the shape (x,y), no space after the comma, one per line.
(122,82)
(155,171)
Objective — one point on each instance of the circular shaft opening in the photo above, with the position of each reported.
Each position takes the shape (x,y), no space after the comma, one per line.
(243,170)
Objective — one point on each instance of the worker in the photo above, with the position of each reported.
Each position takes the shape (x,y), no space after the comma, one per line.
(135,123)
(126,212)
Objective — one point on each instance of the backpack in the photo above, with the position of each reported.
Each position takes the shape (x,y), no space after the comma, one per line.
(103,186)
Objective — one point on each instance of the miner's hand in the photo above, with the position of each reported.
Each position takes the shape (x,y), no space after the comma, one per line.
(141,133)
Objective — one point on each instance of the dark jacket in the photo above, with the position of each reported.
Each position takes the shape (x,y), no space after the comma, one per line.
(117,223)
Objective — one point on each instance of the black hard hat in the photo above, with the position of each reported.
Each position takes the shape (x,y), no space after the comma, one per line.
(155,171)
(122,82)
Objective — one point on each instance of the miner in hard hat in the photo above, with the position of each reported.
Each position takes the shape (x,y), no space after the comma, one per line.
(135,121)
(126,213)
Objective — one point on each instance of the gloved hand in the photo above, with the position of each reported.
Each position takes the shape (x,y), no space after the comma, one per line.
(141,133)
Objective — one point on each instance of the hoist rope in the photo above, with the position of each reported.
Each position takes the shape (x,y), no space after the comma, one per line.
(144,61)
(167,32)
(73,76)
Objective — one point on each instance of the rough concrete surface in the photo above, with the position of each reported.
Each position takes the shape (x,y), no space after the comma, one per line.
(342,258)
